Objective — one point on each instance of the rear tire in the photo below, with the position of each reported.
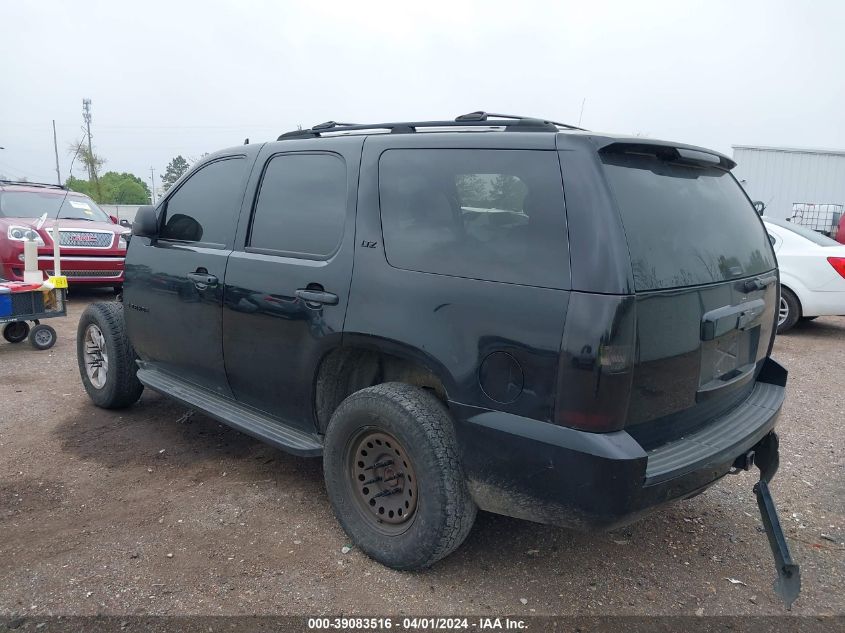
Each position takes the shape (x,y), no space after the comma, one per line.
(42,337)
(407,434)
(105,357)
(789,310)
(16,331)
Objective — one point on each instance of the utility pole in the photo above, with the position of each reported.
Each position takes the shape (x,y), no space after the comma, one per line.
(153,180)
(56,149)
(92,167)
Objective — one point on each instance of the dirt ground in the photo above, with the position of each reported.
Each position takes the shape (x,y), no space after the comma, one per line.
(152,511)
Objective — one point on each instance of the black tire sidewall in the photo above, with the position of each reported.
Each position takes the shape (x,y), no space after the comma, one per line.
(33,336)
(412,548)
(122,387)
(14,324)
(794,310)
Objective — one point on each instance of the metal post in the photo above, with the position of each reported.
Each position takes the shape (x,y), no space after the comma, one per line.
(153,181)
(56,149)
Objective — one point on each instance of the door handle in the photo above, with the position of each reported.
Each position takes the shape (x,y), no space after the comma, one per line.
(309,295)
(202,279)
(758,283)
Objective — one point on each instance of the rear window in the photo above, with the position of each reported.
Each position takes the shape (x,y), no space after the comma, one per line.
(686,225)
(496,215)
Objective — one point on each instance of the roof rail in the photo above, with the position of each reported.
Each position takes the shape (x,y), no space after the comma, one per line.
(25,183)
(473,119)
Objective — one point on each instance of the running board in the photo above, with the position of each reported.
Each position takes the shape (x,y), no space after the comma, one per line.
(238,416)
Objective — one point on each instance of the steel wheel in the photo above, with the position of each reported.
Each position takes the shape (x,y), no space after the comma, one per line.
(783,311)
(383,480)
(42,337)
(96,356)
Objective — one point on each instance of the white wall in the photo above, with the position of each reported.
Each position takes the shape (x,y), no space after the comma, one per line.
(781,176)
(122,211)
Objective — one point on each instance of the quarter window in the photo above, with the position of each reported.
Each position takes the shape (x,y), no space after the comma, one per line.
(496,215)
(301,205)
(205,207)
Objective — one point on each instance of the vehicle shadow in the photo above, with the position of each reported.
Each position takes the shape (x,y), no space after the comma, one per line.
(157,429)
(823,327)
(686,535)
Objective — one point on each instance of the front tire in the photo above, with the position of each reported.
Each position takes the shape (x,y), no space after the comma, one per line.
(105,357)
(394,476)
(789,310)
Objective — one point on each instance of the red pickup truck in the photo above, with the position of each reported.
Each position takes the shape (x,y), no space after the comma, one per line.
(93,244)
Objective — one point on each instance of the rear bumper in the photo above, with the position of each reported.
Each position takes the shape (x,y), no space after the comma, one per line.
(831,303)
(551,474)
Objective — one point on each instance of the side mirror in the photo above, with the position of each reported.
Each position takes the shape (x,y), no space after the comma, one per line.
(113,219)
(125,223)
(146,222)
(760,206)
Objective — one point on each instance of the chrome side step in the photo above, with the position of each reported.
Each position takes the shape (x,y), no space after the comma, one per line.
(238,416)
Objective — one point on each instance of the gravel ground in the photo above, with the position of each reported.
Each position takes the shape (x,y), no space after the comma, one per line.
(152,510)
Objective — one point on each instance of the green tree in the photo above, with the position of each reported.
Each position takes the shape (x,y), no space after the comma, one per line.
(115,188)
(508,192)
(90,159)
(472,191)
(174,170)
(81,186)
(123,188)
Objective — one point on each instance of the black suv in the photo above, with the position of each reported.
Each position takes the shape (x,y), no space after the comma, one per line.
(497,313)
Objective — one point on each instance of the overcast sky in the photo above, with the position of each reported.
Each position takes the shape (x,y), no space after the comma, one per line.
(177,77)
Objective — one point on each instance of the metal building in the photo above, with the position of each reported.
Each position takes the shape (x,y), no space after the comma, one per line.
(783,176)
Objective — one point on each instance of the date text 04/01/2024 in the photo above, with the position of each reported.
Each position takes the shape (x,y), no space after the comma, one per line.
(414,623)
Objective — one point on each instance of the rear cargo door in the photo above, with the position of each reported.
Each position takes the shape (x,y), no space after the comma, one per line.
(705,279)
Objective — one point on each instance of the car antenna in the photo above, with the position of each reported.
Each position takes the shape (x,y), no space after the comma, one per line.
(246,141)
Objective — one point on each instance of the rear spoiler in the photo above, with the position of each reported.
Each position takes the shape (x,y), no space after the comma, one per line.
(688,154)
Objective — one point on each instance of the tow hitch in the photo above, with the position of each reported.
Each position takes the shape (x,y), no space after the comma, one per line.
(765,456)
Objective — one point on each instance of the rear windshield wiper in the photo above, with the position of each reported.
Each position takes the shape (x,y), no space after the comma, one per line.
(72,218)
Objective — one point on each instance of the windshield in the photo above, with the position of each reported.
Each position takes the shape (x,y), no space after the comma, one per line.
(803,231)
(34,204)
(686,225)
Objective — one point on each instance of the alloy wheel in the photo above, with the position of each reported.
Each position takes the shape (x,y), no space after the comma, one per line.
(783,311)
(96,356)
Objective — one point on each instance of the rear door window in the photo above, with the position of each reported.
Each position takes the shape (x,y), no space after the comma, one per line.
(495,215)
(686,225)
(301,205)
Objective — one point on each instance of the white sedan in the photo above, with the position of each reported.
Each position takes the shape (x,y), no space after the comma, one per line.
(812,273)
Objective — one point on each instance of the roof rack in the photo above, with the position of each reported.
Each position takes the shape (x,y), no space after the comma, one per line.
(25,183)
(479,119)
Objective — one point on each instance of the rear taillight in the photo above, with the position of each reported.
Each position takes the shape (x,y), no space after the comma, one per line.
(596,364)
(838,264)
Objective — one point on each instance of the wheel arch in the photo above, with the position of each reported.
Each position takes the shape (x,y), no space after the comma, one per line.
(788,285)
(363,361)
